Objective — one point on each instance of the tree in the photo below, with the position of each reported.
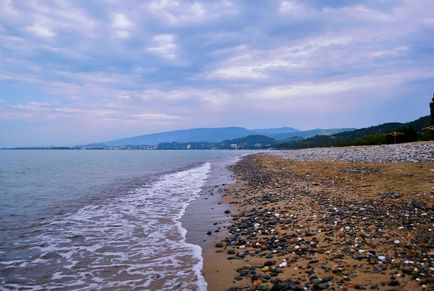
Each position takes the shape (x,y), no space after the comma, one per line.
(430,128)
(395,135)
(431,105)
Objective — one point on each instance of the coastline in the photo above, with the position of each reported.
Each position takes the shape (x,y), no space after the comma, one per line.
(342,221)
(206,221)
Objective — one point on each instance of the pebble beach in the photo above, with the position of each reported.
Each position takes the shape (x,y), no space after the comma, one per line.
(357,218)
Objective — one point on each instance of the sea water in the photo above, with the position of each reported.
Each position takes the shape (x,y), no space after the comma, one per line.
(100,219)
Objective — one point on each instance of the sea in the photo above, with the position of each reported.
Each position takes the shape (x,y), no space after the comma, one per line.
(101,219)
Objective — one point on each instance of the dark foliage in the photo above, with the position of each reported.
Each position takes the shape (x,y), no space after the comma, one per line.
(365,136)
(431,105)
(248,142)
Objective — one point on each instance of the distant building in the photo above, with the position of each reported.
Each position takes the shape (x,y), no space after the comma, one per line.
(258,145)
(188,147)
(234,146)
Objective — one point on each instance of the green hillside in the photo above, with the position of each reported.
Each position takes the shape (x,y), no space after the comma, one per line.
(378,134)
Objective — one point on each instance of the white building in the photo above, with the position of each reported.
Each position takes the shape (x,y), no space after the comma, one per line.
(234,146)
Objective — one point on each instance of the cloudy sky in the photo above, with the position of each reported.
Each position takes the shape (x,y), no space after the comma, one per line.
(74,72)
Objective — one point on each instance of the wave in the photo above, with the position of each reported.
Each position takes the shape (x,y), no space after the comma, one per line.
(133,241)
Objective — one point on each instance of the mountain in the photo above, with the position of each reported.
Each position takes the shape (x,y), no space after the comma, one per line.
(273,131)
(184,135)
(211,135)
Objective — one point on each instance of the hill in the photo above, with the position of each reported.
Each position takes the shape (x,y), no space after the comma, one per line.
(309,133)
(247,142)
(370,135)
(274,131)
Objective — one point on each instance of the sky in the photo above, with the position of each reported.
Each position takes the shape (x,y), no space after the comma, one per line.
(76,72)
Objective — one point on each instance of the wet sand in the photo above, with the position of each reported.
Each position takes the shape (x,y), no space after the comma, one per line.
(326,225)
(207,214)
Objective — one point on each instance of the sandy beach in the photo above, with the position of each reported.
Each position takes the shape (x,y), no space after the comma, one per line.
(342,219)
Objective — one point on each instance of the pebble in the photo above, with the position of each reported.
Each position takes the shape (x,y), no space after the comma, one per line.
(256,283)
(365,233)
(381,258)
(266,269)
(413,153)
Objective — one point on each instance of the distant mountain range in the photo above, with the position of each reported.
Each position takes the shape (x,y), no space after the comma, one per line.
(276,138)
(213,135)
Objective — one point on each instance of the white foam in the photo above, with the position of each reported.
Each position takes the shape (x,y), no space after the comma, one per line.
(131,241)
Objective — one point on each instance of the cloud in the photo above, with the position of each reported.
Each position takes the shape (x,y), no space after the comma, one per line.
(7,7)
(156,116)
(247,72)
(75,110)
(121,25)
(120,21)
(344,88)
(164,45)
(301,90)
(139,66)
(190,12)
(389,53)
(40,30)
(293,8)
(254,64)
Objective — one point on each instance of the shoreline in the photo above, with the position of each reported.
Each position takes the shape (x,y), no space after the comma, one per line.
(206,221)
(349,224)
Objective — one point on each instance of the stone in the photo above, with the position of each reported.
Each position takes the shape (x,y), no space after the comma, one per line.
(393,283)
(316,281)
(392,195)
(283,264)
(269,263)
(256,283)
(322,286)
